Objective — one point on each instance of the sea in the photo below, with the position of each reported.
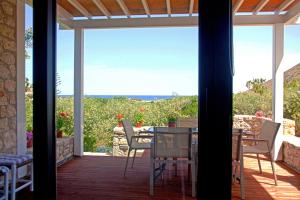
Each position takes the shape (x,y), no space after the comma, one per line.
(139,97)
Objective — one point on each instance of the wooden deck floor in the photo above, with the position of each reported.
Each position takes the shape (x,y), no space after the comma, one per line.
(95,178)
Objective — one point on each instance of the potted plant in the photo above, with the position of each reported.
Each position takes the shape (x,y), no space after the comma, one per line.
(60,124)
(29,137)
(172,121)
(139,119)
(120,117)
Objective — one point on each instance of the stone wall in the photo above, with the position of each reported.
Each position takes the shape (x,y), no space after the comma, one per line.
(291,152)
(254,124)
(8,132)
(64,149)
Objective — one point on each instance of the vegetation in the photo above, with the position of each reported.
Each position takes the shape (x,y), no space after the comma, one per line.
(102,115)
(259,98)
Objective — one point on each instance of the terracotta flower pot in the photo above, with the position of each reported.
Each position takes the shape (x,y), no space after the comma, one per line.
(29,143)
(172,124)
(139,124)
(59,134)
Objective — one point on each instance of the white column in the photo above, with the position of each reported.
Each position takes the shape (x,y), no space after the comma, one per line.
(20,70)
(277,83)
(78,91)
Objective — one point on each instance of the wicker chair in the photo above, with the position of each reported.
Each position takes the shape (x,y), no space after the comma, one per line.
(171,143)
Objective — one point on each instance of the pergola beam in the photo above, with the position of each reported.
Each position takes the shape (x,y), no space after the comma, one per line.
(146,7)
(80,8)
(169,7)
(191,7)
(237,5)
(239,20)
(63,13)
(292,15)
(284,5)
(260,6)
(124,8)
(256,20)
(102,8)
(134,22)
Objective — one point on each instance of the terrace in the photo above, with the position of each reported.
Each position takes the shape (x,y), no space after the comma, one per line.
(92,178)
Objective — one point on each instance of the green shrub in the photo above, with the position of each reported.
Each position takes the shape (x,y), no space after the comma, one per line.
(100,115)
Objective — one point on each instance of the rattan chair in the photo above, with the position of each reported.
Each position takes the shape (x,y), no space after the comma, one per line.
(133,141)
(264,144)
(169,143)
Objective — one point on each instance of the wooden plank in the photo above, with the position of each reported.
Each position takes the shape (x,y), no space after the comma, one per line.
(91,177)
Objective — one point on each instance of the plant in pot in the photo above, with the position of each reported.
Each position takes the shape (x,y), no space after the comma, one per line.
(172,121)
(29,137)
(120,118)
(139,119)
(62,116)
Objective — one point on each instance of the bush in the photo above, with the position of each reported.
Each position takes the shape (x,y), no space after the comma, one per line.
(100,115)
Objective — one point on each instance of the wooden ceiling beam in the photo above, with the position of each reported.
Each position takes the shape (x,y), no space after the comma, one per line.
(62,13)
(169,7)
(124,8)
(237,5)
(283,6)
(146,7)
(80,8)
(102,8)
(191,7)
(260,6)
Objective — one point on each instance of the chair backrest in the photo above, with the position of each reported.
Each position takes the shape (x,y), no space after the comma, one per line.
(172,142)
(128,129)
(187,122)
(269,131)
(236,143)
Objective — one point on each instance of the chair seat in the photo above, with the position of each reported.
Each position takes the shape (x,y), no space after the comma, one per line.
(257,149)
(10,159)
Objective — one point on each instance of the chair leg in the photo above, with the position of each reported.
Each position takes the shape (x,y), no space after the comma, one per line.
(273,169)
(152,168)
(127,161)
(242,183)
(193,180)
(5,186)
(14,182)
(133,158)
(31,177)
(259,165)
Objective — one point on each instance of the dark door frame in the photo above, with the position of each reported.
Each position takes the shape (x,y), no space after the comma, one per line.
(215,99)
(44,87)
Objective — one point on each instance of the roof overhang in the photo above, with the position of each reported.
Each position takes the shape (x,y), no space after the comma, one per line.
(107,14)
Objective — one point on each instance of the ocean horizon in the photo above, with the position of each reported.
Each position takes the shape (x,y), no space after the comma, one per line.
(140,97)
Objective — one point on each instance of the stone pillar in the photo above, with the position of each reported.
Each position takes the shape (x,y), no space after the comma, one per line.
(8,54)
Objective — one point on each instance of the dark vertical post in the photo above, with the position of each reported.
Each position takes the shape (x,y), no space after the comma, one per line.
(215,98)
(44,78)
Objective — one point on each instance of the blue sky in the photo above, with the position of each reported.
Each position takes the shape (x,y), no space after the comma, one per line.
(159,61)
